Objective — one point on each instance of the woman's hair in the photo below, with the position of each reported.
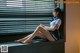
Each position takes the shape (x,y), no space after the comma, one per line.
(58,10)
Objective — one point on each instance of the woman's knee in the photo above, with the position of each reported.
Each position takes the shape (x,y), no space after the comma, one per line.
(38,27)
(42,29)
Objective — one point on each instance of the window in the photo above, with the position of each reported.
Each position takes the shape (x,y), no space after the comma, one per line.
(20,16)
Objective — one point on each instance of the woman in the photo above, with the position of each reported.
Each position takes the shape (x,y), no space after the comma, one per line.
(45,32)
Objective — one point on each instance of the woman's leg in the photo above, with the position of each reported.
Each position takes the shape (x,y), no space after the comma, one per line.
(41,35)
(42,30)
(22,39)
(38,35)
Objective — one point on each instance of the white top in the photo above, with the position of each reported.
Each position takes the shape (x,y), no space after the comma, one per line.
(55,22)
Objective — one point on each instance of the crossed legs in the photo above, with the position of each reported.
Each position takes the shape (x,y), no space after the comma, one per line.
(40,32)
(24,38)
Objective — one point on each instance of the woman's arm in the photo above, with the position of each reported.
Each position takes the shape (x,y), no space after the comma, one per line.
(52,28)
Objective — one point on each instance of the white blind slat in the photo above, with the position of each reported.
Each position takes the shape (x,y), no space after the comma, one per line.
(26,9)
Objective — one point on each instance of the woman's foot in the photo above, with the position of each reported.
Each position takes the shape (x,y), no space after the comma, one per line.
(20,40)
(26,41)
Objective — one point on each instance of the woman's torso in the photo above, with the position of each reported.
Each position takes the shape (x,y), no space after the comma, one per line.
(55,22)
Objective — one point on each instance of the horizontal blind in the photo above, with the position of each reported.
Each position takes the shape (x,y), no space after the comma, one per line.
(11,25)
(18,16)
(15,7)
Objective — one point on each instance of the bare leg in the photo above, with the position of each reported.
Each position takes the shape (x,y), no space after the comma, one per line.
(42,30)
(41,35)
(22,39)
(37,35)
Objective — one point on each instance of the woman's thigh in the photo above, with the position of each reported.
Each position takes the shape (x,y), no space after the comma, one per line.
(47,34)
(41,35)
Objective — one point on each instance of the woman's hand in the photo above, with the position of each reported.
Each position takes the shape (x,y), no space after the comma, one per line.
(45,27)
(41,25)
